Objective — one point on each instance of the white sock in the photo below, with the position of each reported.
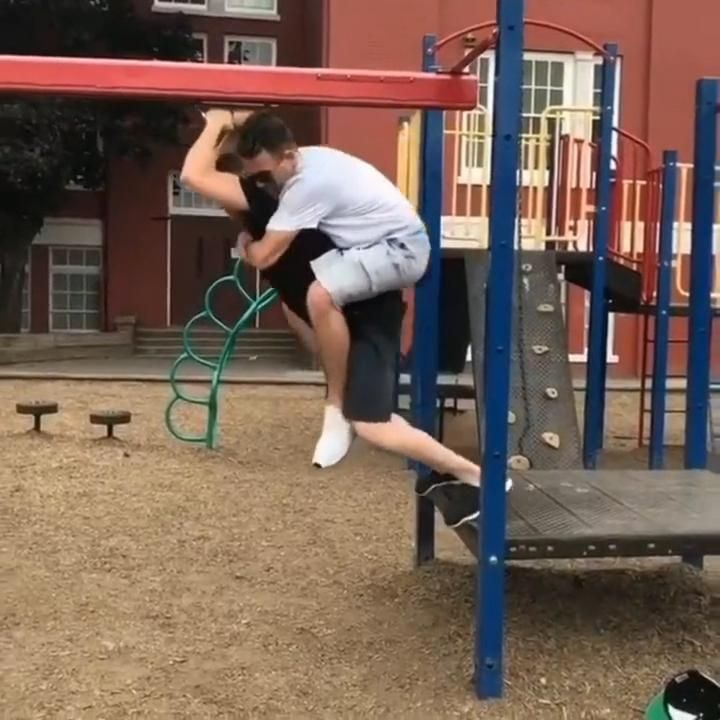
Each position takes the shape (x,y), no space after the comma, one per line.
(335,439)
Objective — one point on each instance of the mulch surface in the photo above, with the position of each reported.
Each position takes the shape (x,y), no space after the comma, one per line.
(147,578)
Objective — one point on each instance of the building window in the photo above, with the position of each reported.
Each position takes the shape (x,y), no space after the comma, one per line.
(181,4)
(199,41)
(543,88)
(183,201)
(252,7)
(75,276)
(250,50)
(553,83)
(258,9)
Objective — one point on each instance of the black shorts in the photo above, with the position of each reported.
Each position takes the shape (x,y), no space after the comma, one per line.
(375,324)
(375,329)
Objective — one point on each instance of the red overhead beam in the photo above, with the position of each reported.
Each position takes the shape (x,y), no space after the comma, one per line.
(239,84)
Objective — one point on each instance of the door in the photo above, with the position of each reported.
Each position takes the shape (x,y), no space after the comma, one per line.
(200,254)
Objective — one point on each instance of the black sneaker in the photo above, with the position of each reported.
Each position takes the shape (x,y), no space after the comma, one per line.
(425,485)
(463,504)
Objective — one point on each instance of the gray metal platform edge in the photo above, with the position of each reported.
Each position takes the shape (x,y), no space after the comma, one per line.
(608,513)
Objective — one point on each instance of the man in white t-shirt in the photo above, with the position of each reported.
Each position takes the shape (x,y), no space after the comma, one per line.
(295,262)
(381,243)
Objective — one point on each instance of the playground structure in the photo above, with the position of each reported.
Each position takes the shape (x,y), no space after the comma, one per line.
(582,512)
(559,514)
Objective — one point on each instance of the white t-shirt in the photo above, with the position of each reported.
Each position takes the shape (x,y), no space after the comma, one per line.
(345,197)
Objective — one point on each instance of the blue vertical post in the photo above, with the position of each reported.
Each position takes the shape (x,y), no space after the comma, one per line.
(423,391)
(701,275)
(490,609)
(658,400)
(597,332)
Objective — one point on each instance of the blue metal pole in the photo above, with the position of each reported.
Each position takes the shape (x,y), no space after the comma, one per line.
(662,312)
(423,392)
(597,332)
(490,609)
(701,275)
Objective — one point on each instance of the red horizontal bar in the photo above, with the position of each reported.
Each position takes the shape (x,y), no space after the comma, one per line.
(233,83)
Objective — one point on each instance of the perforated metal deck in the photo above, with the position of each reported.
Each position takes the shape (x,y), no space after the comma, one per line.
(609,513)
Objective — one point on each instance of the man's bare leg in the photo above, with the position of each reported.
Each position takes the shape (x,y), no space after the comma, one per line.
(332,339)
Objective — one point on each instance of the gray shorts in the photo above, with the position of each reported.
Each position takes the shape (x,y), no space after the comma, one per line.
(364,271)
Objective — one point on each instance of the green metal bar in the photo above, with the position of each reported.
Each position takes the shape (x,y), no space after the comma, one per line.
(211,436)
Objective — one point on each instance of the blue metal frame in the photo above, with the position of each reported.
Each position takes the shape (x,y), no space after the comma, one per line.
(662,312)
(425,362)
(593,429)
(490,610)
(701,275)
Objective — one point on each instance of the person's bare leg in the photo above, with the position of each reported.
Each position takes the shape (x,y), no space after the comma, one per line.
(332,339)
(303,331)
(398,436)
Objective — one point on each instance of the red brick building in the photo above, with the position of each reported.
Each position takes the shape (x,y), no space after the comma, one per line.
(146,247)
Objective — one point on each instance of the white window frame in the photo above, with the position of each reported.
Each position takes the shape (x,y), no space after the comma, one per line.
(176,6)
(204,38)
(252,12)
(578,91)
(175,210)
(84,269)
(216,8)
(250,38)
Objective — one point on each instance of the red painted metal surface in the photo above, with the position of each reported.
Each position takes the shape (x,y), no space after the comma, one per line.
(489,42)
(562,29)
(233,84)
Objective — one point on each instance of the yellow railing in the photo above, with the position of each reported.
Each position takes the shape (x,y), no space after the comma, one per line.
(408,157)
(558,178)
(684,235)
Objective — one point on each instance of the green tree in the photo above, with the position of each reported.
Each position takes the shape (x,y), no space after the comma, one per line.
(46,143)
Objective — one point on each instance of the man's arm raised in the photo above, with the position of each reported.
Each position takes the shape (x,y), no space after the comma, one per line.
(200,172)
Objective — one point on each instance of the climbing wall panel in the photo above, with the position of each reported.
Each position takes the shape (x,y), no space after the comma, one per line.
(543,430)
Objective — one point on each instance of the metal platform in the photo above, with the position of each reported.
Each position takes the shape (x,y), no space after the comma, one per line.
(566,514)
(714,429)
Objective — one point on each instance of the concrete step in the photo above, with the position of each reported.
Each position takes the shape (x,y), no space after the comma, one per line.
(217,349)
(209,342)
(209,332)
(217,342)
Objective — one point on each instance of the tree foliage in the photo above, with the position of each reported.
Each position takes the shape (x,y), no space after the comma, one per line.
(47,143)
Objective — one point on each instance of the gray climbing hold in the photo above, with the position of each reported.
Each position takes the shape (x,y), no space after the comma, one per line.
(552,393)
(552,439)
(518,462)
(526,267)
(540,349)
(511,417)
(545,308)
